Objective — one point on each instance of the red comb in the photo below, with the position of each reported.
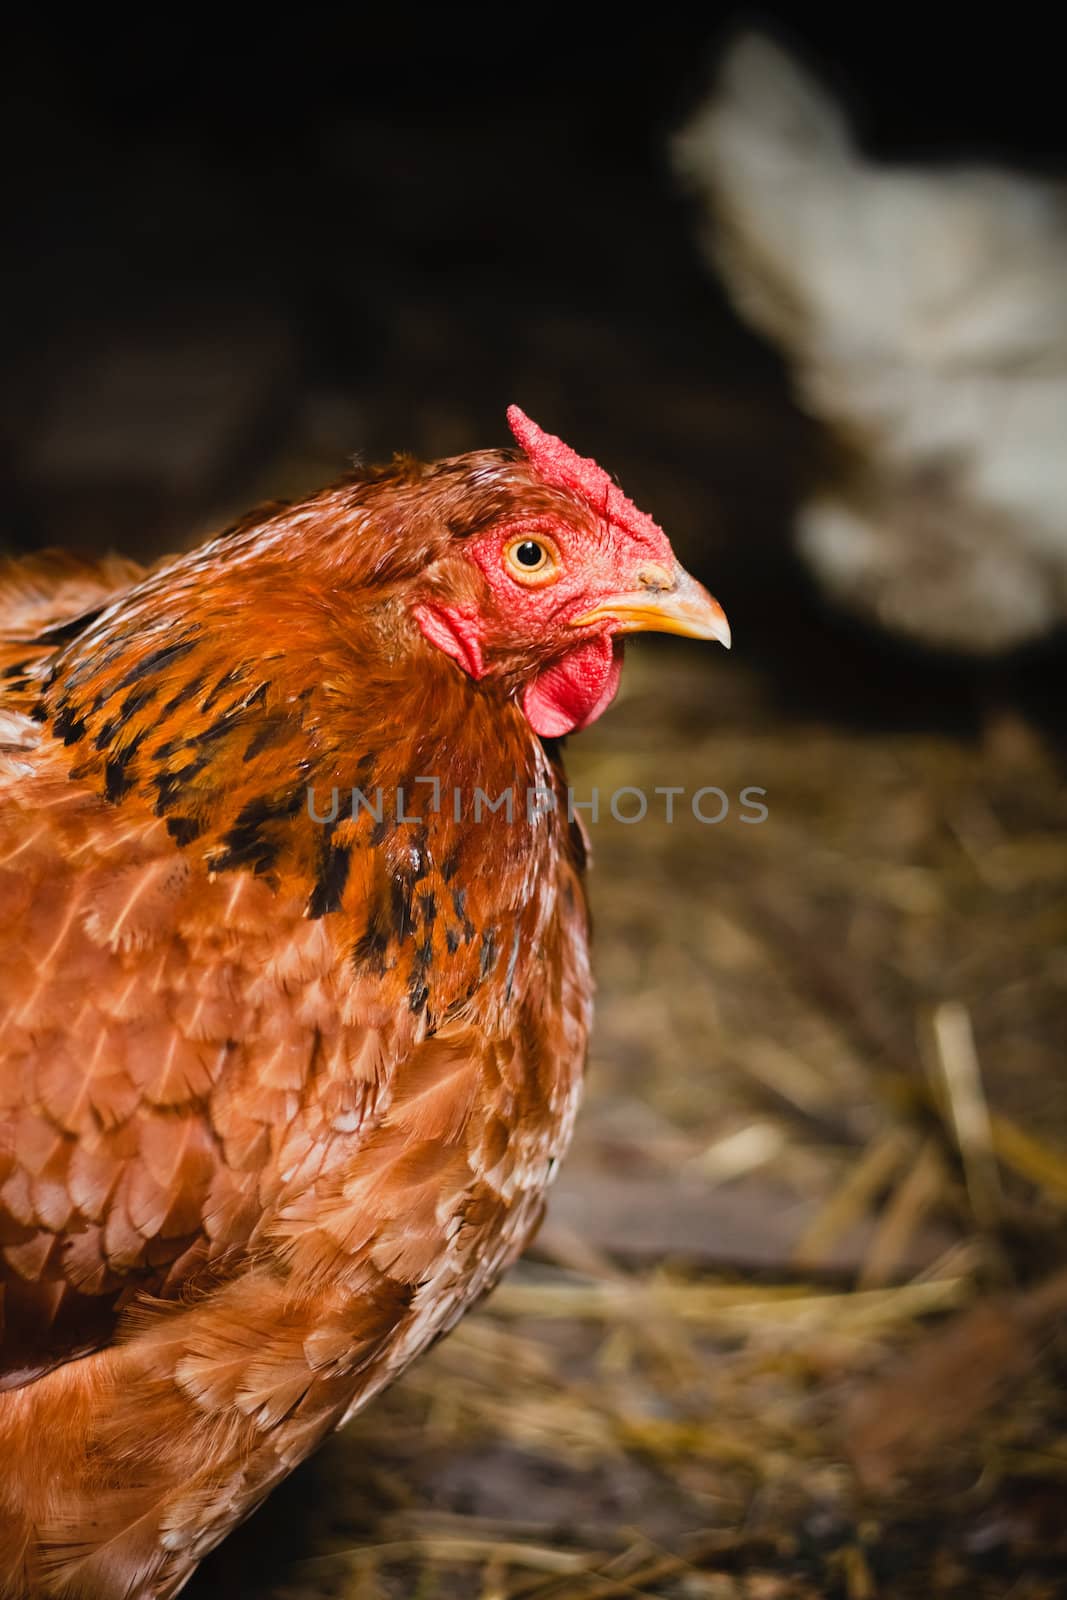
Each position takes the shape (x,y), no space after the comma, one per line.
(557,464)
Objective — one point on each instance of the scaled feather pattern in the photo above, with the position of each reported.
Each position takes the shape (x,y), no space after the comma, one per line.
(282,1082)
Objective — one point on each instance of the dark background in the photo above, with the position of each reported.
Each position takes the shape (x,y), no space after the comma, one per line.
(237,256)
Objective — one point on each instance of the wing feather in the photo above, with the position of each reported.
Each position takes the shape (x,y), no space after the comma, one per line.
(150,1075)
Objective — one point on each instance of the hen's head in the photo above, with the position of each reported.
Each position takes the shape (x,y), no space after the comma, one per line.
(547,576)
(520,569)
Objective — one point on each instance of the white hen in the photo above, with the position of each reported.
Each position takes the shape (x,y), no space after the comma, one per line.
(924,313)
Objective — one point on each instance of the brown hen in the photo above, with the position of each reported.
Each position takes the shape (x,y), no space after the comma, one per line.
(293,1024)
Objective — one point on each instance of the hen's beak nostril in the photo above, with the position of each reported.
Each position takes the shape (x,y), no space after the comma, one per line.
(665,602)
(656,578)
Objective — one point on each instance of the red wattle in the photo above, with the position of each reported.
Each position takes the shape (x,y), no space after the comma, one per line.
(575,690)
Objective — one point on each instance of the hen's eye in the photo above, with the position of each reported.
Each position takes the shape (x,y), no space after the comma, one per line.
(531,560)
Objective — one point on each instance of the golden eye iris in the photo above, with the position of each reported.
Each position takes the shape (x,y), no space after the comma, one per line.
(531,561)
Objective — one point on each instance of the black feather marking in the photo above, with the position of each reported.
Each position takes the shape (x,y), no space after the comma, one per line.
(231,718)
(187,692)
(400,905)
(271,807)
(228,678)
(245,842)
(488,953)
(169,785)
(427,909)
(388,917)
(330,886)
(69,725)
(245,847)
(163,657)
(117,779)
(272,730)
(183,830)
(58,633)
(16,669)
(133,703)
(419,984)
(452,940)
(459,903)
(413,864)
(89,666)
(370,951)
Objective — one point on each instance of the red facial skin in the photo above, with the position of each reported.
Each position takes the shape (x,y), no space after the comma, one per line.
(601,553)
(573,689)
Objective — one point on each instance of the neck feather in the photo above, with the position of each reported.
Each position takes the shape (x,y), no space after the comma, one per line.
(271,740)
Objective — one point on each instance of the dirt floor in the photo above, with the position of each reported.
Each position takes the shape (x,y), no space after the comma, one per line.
(794,1327)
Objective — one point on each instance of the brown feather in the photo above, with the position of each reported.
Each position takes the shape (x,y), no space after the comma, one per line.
(278,1099)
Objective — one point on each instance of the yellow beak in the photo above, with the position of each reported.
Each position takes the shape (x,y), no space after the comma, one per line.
(665,603)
